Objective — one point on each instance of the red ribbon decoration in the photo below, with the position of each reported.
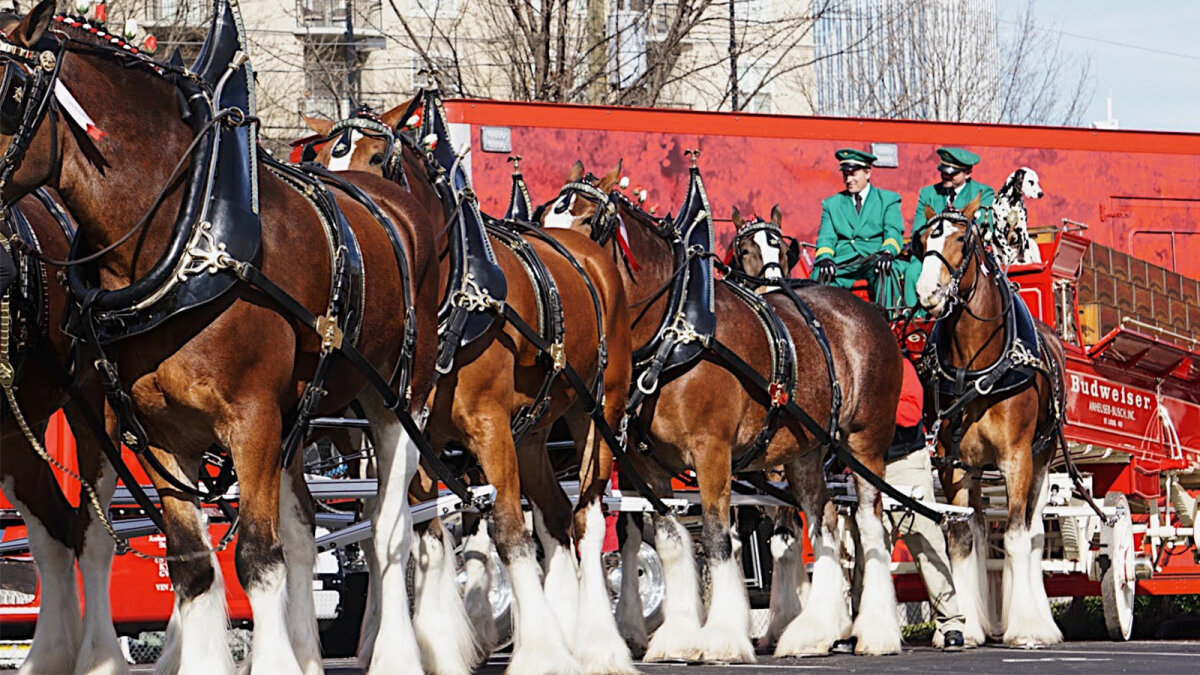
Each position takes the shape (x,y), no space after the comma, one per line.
(626,252)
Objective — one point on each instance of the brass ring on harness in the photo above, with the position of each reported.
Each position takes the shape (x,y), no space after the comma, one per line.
(644,388)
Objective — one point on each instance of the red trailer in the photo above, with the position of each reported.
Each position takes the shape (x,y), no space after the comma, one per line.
(1123,294)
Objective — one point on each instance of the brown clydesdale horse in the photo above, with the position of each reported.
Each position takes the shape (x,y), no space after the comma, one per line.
(958,285)
(60,535)
(474,403)
(230,372)
(707,416)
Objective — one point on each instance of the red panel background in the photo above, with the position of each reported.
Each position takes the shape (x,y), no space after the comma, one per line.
(1118,182)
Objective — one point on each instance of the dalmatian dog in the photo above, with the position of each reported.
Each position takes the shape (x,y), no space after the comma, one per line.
(1013,245)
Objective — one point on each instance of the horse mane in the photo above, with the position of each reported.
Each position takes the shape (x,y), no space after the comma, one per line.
(655,223)
(81,29)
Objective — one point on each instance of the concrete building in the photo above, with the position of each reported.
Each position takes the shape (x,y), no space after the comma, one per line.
(915,59)
(319,56)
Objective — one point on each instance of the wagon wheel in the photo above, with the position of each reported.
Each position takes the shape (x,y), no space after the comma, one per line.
(651,582)
(1117,579)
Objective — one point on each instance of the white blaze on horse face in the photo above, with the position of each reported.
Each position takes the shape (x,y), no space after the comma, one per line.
(560,214)
(770,253)
(930,284)
(342,163)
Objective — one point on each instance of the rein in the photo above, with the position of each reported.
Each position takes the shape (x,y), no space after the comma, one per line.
(180,166)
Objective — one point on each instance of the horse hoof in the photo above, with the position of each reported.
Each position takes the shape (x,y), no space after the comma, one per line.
(1036,640)
(809,634)
(724,645)
(529,663)
(675,644)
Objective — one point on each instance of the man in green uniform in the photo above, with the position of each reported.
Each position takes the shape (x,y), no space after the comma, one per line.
(956,187)
(857,224)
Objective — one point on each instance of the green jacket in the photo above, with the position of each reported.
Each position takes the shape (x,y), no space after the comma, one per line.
(847,234)
(930,196)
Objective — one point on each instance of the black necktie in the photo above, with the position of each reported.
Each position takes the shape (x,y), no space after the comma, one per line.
(858,202)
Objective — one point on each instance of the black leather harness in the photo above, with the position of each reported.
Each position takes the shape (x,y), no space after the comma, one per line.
(778,392)
(216,243)
(1023,355)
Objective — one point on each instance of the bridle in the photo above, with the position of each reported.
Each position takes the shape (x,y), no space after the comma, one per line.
(603,222)
(366,122)
(971,250)
(775,237)
(26,98)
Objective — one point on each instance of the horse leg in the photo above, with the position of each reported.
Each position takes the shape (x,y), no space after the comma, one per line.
(552,524)
(598,642)
(677,639)
(876,627)
(396,458)
(30,485)
(196,633)
(725,636)
(261,566)
(967,545)
(296,531)
(1039,494)
(539,645)
(824,618)
(100,651)
(369,628)
(477,562)
(1023,624)
(785,569)
(440,622)
(631,618)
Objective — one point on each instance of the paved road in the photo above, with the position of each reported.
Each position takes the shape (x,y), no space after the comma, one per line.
(1166,657)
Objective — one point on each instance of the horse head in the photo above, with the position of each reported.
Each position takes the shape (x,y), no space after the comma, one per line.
(585,203)
(365,141)
(759,246)
(946,246)
(31,57)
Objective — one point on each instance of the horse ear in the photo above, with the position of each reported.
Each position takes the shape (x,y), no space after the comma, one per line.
(611,178)
(321,126)
(776,216)
(392,117)
(576,172)
(972,207)
(929,213)
(34,25)
(737,219)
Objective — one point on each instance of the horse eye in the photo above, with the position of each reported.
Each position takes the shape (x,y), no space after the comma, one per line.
(376,159)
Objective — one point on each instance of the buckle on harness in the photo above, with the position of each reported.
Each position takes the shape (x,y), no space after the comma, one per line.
(331,334)
(779,394)
(980,388)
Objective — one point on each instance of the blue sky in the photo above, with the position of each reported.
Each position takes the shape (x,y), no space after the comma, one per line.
(1150,89)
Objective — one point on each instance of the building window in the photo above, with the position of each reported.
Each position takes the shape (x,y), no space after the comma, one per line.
(181,12)
(432,8)
(446,73)
(750,79)
(326,81)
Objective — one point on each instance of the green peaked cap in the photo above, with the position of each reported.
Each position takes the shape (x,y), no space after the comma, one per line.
(957,158)
(852,158)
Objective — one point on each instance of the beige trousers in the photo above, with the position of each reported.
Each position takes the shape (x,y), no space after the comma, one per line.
(924,539)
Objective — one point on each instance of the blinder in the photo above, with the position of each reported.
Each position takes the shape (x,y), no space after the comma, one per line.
(790,256)
(604,221)
(365,122)
(25,97)
(14,88)
(970,241)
